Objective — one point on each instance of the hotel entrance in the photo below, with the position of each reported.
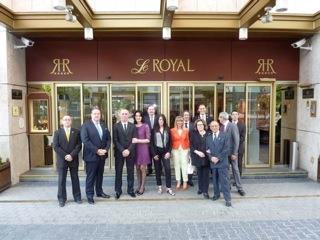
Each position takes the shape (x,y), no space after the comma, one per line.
(253,101)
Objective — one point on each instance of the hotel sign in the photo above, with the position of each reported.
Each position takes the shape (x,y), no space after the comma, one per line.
(265,67)
(61,66)
(162,65)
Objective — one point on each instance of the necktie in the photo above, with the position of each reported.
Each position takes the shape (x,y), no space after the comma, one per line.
(68,134)
(99,130)
(151,121)
(125,127)
(186,125)
(214,136)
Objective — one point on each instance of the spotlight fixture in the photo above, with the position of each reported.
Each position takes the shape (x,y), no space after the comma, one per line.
(243,33)
(166,33)
(281,6)
(70,17)
(23,43)
(267,18)
(88,33)
(172,5)
(302,44)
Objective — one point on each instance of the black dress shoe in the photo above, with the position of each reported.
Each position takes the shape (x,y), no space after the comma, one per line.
(215,198)
(79,201)
(199,192)
(62,204)
(190,184)
(206,195)
(228,204)
(103,195)
(90,201)
(117,195)
(132,194)
(241,192)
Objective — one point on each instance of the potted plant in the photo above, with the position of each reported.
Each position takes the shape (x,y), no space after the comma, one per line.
(5,174)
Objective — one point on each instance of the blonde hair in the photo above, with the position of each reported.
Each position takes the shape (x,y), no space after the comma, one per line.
(178,118)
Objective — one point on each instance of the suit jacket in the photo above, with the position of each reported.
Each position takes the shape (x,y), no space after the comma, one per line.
(218,148)
(208,119)
(190,128)
(123,139)
(198,143)
(64,147)
(233,136)
(147,120)
(153,144)
(242,134)
(92,141)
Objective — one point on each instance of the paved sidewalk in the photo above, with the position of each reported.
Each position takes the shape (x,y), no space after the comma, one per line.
(272,209)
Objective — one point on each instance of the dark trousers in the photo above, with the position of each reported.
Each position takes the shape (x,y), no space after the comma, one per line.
(158,167)
(94,172)
(240,157)
(220,177)
(203,178)
(62,178)
(119,162)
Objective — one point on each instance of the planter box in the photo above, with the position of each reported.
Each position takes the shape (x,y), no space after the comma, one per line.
(5,176)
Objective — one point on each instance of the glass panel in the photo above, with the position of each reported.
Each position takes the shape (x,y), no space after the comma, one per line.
(258,124)
(180,99)
(236,100)
(95,96)
(122,97)
(69,102)
(39,116)
(204,95)
(148,96)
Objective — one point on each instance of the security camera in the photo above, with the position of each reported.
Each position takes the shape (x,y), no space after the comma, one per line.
(23,43)
(27,42)
(300,43)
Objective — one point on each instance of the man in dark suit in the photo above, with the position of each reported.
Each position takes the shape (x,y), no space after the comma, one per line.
(150,118)
(124,151)
(242,134)
(202,114)
(217,151)
(67,145)
(188,124)
(96,140)
(232,132)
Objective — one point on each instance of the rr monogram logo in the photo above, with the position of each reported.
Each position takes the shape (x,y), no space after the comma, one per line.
(265,67)
(61,66)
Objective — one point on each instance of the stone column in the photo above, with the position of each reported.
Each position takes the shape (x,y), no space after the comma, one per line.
(13,129)
(308,128)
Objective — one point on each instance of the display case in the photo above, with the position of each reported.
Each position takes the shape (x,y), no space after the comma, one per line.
(39,109)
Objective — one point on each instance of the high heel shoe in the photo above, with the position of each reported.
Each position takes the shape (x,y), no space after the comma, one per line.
(185,186)
(178,185)
(140,193)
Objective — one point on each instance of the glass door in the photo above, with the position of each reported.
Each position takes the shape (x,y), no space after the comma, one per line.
(205,94)
(180,99)
(259,119)
(149,95)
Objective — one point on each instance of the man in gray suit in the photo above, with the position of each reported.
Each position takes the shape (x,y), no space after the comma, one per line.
(231,130)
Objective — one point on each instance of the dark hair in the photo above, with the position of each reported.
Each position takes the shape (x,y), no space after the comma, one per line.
(156,126)
(196,122)
(134,116)
(95,108)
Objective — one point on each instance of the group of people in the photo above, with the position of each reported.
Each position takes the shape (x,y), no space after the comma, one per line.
(210,145)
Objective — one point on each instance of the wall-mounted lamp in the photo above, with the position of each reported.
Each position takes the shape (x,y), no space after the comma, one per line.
(243,33)
(61,6)
(301,44)
(88,33)
(166,33)
(172,5)
(267,18)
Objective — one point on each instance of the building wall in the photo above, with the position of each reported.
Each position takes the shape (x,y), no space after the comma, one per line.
(308,128)
(13,132)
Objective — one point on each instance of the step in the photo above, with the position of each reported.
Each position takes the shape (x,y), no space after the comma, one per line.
(50,174)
